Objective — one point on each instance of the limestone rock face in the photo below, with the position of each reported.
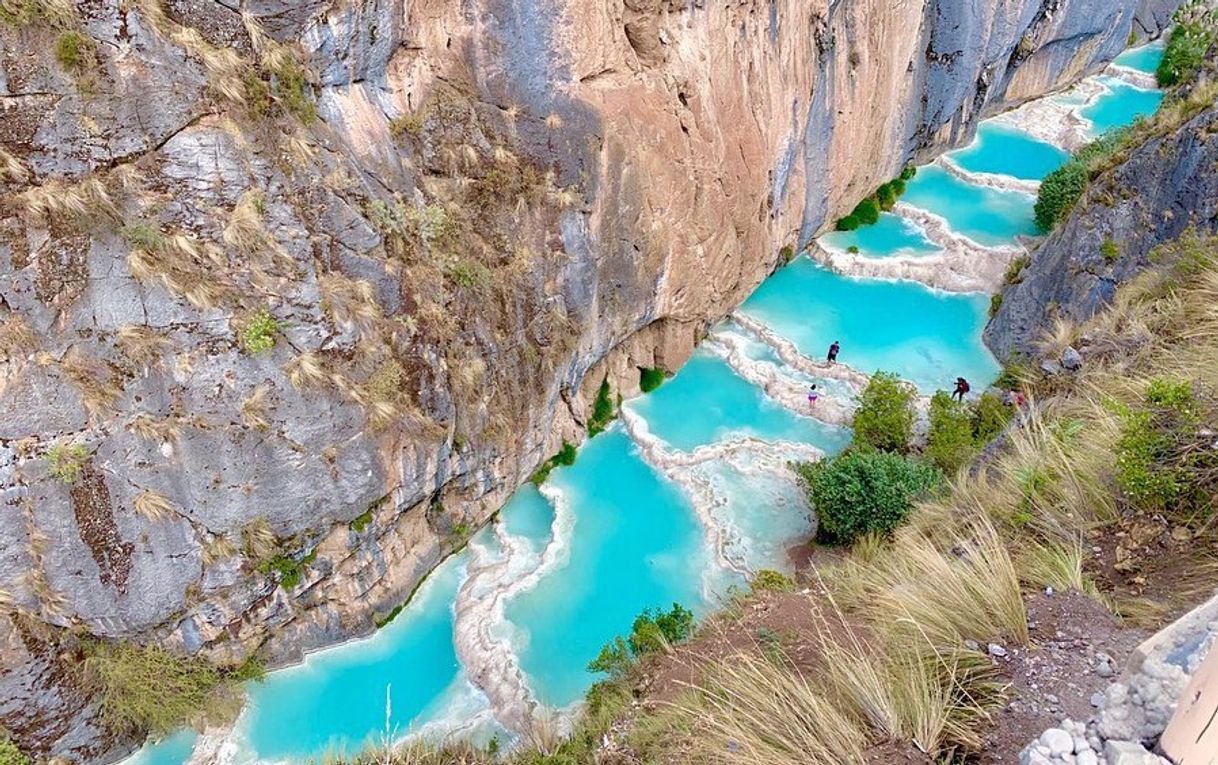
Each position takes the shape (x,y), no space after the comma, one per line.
(1167,187)
(318,284)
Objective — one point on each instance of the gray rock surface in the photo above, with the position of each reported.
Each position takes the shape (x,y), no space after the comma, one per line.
(461,217)
(1165,188)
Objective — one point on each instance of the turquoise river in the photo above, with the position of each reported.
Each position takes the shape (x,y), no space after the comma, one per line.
(687,492)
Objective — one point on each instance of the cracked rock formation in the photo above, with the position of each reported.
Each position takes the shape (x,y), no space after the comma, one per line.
(293,295)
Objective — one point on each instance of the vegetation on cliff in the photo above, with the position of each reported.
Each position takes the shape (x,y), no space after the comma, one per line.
(1196,23)
(885,197)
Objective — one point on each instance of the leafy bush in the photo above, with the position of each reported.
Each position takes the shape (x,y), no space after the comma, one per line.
(886,195)
(853,249)
(885,415)
(650,378)
(1063,187)
(652,631)
(990,416)
(564,457)
(259,333)
(294,91)
(768,580)
(361,521)
(1164,457)
(950,443)
(470,273)
(655,630)
(1185,51)
(867,212)
(1110,250)
(148,689)
(848,223)
(1015,268)
(73,51)
(786,254)
(908,173)
(602,409)
(10,754)
(66,462)
(861,492)
(286,569)
(995,304)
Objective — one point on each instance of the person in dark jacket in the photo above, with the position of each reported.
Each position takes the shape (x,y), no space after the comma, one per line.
(833,349)
(962,387)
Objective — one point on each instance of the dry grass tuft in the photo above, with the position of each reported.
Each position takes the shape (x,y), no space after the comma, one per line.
(218,548)
(153,505)
(11,168)
(142,344)
(254,409)
(83,204)
(258,539)
(17,337)
(352,303)
(93,379)
(153,428)
(308,370)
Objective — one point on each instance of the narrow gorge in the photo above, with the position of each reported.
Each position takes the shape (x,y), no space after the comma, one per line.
(297,297)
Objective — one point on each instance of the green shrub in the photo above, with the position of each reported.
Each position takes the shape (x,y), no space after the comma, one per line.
(848,223)
(148,689)
(867,212)
(73,51)
(768,580)
(564,457)
(853,249)
(786,254)
(259,333)
(1186,48)
(650,378)
(990,417)
(1159,466)
(470,273)
(361,521)
(66,462)
(652,631)
(614,659)
(861,491)
(1063,187)
(897,185)
(10,754)
(1015,269)
(886,196)
(1110,250)
(286,569)
(294,91)
(908,173)
(949,443)
(885,415)
(602,409)
(995,304)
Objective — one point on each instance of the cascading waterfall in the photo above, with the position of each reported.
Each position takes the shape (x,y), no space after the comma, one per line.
(664,506)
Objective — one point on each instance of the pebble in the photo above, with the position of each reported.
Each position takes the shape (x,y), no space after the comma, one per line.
(997,650)
(1097,699)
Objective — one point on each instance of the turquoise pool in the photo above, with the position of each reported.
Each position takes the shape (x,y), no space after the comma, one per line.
(926,336)
(891,235)
(1008,151)
(707,402)
(1144,59)
(635,544)
(1122,105)
(985,215)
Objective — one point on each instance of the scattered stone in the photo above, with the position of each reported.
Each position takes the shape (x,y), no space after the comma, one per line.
(1130,753)
(1097,699)
(972,645)
(1049,697)
(1050,367)
(1071,359)
(997,650)
(1104,666)
(1057,741)
(1086,757)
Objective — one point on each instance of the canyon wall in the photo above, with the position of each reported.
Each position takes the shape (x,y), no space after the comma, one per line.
(295,294)
(1165,187)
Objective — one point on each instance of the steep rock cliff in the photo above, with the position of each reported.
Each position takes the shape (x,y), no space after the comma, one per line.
(295,294)
(1166,186)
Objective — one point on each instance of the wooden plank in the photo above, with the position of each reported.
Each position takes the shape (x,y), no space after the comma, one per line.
(1191,737)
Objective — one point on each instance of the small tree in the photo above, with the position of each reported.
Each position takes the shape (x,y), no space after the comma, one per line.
(950,441)
(862,491)
(885,415)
